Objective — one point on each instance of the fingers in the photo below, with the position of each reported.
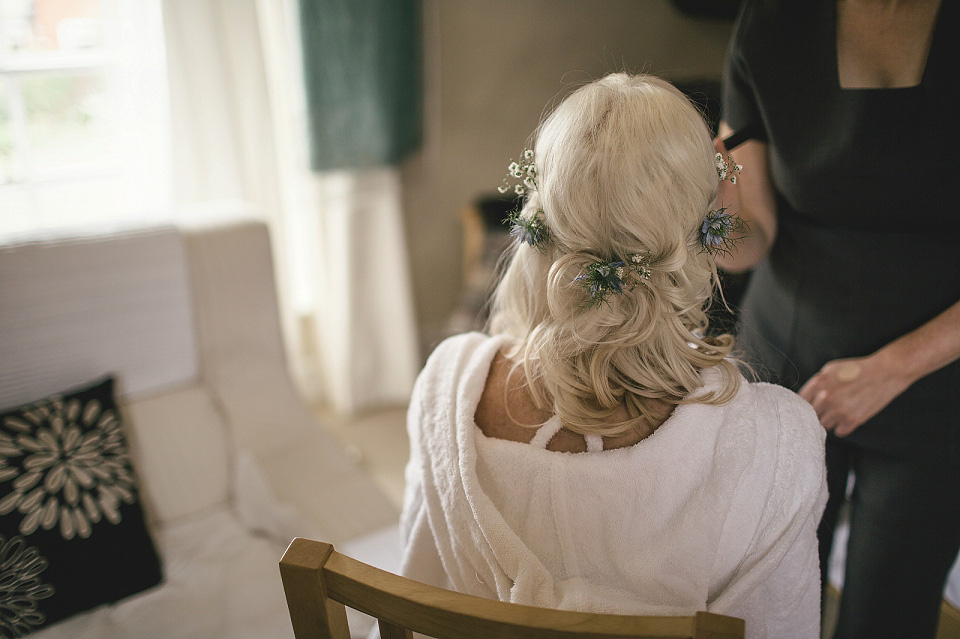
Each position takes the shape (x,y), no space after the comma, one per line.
(822,392)
(828,414)
(817,398)
(819,403)
(846,393)
(811,389)
(834,420)
(845,428)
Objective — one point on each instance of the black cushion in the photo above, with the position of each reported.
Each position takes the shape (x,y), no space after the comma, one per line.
(72,531)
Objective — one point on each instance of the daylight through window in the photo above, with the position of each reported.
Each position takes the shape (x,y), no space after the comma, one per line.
(83,117)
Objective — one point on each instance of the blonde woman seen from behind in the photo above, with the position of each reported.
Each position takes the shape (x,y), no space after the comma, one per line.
(594,451)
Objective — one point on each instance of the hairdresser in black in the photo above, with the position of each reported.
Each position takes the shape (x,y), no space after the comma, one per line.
(851,190)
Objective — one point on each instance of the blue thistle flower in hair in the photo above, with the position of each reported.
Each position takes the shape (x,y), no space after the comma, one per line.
(533,230)
(601,279)
(604,278)
(720,231)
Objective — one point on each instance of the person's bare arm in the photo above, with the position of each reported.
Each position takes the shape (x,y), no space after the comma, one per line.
(752,199)
(847,392)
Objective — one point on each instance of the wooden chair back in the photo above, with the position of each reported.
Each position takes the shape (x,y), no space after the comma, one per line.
(319,582)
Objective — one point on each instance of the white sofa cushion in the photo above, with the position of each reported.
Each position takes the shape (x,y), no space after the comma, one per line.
(182,451)
(75,309)
(219,581)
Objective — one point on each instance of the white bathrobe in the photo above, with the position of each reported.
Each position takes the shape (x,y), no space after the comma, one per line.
(717,510)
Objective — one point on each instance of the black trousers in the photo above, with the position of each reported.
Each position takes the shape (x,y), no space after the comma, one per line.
(904,536)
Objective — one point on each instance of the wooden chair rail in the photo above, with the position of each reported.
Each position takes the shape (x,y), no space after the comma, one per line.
(313,572)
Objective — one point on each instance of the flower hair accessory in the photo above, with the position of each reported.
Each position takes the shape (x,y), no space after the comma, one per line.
(603,278)
(727,168)
(720,231)
(525,171)
(533,230)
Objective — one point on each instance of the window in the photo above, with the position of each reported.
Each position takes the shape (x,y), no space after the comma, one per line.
(83,117)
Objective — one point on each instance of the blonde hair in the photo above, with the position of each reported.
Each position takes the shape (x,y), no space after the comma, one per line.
(625,166)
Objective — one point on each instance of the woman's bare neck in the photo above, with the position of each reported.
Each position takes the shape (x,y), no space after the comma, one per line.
(517,421)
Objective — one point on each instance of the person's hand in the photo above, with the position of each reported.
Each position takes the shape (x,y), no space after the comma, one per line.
(847,392)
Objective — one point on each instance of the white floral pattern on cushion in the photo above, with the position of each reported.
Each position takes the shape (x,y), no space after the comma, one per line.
(21,588)
(69,463)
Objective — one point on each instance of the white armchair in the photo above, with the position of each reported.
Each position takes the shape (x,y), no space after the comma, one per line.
(231,464)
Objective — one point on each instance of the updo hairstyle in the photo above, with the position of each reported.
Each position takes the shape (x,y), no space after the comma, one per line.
(625,166)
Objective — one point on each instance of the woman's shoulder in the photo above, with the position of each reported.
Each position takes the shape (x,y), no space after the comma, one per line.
(769,424)
(787,403)
(771,439)
(452,377)
(461,346)
(768,404)
(466,355)
(779,405)
(791,427)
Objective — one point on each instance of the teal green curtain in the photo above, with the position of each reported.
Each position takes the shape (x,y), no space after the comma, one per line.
(363,73)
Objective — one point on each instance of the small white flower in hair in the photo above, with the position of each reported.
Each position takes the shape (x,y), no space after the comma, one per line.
(639,261)
(727,168)
(525,171)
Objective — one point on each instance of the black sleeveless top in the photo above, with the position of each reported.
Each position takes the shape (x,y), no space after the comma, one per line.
(868,205)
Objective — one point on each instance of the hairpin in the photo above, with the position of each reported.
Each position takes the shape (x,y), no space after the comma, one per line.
(720,231)
(603,278)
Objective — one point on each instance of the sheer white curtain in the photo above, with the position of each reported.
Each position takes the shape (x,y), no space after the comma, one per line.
(238,120)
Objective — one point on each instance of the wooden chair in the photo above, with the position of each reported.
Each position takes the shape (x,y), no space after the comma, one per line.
(319,582)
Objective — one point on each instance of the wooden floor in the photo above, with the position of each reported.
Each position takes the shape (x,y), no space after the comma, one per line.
(378,441)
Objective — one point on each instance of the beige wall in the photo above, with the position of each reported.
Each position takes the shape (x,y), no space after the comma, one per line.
(492,66)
